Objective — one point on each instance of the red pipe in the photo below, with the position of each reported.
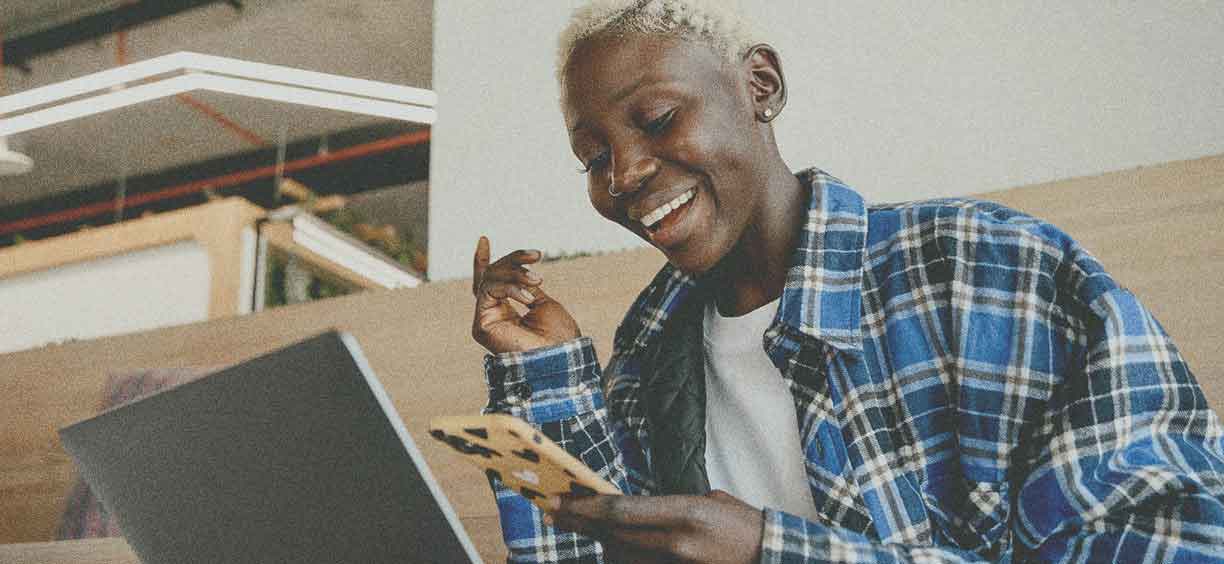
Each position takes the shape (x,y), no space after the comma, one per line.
(246,134)
(218,182)
(121,48)
(121,58)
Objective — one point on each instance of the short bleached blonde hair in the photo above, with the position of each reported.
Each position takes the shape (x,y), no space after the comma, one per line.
(716,23)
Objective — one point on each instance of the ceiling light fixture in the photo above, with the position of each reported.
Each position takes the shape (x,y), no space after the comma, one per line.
(184,72)
(11,162)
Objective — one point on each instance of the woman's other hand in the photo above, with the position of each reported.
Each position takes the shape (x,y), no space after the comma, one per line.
(716,527)
(497,325)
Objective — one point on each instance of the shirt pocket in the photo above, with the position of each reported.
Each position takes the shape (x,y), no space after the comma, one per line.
(838,499)
(969,515)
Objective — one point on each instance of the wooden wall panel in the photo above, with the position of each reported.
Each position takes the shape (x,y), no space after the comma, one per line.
(1155,228)
(1160,232)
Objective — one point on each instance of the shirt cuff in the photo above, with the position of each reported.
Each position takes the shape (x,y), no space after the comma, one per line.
(545,384)
(788,538)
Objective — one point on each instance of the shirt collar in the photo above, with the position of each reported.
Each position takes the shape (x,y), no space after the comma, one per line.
(823,294)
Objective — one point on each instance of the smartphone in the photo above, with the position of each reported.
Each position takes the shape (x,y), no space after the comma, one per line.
(519,456)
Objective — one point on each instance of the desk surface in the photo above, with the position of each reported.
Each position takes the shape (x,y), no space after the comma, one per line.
(113,551)
(89,551)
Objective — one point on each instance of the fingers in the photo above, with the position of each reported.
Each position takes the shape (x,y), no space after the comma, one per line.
(493,291)
(522,256)
(686,528)
(508,278)
(623,553)
(641,545)
(629,525)
(720,495)
(620,511)
(512,262)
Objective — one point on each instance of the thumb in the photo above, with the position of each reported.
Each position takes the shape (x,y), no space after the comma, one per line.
(480,262)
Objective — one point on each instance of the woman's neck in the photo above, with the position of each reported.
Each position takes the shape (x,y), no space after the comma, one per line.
(753,273)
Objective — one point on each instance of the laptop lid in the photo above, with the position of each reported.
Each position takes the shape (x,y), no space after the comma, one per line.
(295,456)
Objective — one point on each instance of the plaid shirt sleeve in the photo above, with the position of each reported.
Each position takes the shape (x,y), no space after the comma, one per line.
(1126,464)
(1132,465)
(557,390)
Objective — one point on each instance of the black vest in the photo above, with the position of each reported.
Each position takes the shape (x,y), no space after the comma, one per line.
(673,393)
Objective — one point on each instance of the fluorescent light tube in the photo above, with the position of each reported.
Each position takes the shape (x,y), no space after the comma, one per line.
(186,61)
(314,225)
(317,98)
(355,260)
(98,104)
(228,85)
(310,79)
(219,74)
(103,80)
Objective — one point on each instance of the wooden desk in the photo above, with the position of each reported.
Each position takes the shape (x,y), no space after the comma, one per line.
(484,532)
(90,551)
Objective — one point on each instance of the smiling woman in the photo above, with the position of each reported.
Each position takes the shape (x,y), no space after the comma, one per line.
(814,379)
(654,118)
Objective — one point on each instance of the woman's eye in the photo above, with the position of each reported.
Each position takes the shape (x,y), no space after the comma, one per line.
(595,164)
(657,125)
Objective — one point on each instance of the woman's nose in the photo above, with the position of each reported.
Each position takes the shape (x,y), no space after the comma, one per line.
(631,173)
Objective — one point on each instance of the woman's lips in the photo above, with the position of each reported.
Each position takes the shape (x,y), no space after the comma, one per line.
(673,227)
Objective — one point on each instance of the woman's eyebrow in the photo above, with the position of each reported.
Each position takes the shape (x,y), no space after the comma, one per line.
(628,89)
(644,80)
(624,92)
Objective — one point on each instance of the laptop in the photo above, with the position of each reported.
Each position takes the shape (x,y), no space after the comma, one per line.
(295,456)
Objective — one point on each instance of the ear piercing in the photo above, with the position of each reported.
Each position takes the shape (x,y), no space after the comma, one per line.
(768,113)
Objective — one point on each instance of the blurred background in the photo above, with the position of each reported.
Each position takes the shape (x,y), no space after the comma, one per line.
(901,101)
(155,146)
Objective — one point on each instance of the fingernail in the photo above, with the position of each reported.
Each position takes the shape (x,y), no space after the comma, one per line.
(533,277)
(526,295)
(548,519)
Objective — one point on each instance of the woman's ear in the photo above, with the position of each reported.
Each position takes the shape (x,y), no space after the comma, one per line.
(765,82)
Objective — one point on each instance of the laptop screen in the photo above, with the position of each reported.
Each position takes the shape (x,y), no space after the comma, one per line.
(295,456)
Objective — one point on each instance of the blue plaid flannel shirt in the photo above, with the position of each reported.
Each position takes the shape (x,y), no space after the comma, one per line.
(970,384)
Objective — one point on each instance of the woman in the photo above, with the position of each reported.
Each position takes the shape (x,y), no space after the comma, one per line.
(812,379)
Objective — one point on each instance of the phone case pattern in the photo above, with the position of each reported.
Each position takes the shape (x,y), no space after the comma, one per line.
(518,456)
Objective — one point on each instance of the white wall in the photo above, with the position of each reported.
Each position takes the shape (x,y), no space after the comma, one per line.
(158,287)
(901,100)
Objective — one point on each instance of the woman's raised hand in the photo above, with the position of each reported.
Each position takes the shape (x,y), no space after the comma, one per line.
(497,325)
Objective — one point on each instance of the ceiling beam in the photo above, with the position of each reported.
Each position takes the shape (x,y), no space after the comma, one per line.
(19,51)
(217,183)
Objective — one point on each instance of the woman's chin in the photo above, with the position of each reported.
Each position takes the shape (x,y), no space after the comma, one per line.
(692,263)
(689,257)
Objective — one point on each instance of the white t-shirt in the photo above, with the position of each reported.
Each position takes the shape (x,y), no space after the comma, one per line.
(752,434)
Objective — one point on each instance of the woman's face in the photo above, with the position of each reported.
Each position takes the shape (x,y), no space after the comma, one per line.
(670,125)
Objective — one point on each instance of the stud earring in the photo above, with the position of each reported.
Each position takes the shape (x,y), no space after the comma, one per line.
(768,113)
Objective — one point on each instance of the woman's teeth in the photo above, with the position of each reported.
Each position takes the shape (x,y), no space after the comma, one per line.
(650,219)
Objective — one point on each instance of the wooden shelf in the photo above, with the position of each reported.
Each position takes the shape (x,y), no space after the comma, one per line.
(88,551)
(218,226)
